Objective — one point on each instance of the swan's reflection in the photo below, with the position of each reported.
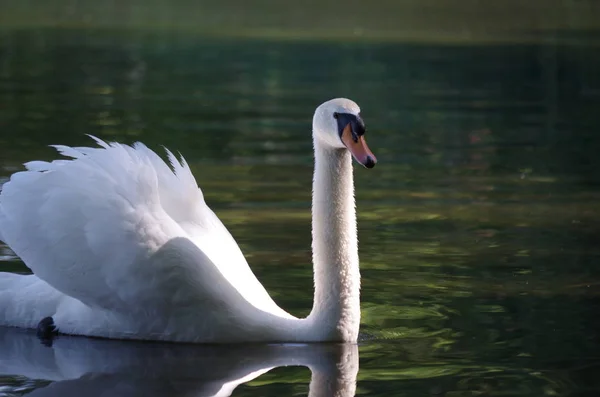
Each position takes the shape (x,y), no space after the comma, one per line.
(93,367)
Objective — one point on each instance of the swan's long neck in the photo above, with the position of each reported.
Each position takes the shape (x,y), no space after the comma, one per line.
(335,316)
(336,307)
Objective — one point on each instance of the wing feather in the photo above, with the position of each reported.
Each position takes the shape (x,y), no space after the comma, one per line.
(88,226)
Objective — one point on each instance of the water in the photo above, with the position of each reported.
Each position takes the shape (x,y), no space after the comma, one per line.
(478,228)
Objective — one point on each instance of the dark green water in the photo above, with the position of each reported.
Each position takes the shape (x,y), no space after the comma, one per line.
(478,228)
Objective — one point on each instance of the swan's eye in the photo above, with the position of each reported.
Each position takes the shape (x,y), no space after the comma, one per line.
(336,115)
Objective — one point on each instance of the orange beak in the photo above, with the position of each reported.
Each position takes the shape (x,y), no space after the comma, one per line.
(358,147)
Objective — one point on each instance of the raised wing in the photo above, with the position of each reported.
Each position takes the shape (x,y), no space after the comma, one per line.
(89,225)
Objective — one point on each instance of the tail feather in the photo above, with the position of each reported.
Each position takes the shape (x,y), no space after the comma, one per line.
(25,300)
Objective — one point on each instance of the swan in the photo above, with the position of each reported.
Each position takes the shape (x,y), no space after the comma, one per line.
(123,246)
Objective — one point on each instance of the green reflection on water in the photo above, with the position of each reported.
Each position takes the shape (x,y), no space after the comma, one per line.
(478,228)
(446,21)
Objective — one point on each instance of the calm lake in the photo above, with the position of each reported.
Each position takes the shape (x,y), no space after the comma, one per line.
(478,227)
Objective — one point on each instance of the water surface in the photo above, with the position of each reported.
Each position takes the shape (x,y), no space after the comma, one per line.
(478,228)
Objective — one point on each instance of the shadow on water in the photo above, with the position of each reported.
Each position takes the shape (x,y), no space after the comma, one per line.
(478,228)
(74,366)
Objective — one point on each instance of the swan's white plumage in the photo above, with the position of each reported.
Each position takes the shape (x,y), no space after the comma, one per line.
(124,246)
(88,227)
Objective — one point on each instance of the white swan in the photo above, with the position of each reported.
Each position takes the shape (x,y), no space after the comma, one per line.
(121,246)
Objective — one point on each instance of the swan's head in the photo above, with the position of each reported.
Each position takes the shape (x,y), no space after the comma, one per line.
(337,124)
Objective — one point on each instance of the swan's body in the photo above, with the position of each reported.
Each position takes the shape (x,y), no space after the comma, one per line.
(121,246)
